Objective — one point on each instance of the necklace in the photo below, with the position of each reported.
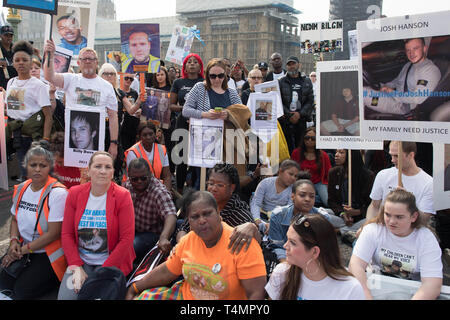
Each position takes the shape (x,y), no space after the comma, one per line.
(23,84)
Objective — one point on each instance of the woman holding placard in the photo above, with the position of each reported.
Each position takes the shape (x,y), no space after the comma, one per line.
(398,243)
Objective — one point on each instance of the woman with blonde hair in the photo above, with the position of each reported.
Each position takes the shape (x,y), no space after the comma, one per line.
(397,243)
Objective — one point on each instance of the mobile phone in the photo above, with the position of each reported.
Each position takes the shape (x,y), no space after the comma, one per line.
(218,109)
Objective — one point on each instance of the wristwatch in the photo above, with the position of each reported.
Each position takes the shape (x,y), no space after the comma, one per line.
(114,141)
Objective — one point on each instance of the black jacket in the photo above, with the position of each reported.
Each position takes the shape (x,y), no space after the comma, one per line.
(307,96)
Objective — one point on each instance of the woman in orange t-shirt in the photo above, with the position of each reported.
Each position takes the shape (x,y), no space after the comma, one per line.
(209,269)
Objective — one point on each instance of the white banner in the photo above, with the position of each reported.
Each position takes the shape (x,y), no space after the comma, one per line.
(404,77)
(337,107)
(323,36)
(205,142)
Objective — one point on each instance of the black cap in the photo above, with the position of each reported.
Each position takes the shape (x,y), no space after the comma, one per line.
(7,29)
(263,65)
(292,59)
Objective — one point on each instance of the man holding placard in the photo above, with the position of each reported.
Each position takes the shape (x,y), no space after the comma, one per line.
(414,180)
(87,81)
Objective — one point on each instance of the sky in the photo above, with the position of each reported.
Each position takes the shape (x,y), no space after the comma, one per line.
(313,10)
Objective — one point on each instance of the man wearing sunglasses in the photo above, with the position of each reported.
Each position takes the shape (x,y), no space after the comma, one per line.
(77,85)
(154,210)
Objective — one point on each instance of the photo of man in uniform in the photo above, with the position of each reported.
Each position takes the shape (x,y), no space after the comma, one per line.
(69,29)
(139,41)
(402,94)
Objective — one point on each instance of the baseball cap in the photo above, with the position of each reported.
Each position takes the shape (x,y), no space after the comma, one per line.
(263,65)
(6,29)
(292,59)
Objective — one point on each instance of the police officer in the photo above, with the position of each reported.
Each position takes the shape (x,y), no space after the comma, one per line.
(409,88)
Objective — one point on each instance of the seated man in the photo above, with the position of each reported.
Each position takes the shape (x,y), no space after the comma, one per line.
(417,77)
(344,116)
(155,213)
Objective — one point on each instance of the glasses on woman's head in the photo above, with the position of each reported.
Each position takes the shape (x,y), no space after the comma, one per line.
(128,78)
(214,76)
(301,219)
(312,138)
(137,179)
(108,74)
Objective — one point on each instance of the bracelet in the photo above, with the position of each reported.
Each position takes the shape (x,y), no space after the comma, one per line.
(16,238)
(114,141)
(29,248)
(46,139)
(135,288)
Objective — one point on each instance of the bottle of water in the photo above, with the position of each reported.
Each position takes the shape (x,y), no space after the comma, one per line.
(293,106)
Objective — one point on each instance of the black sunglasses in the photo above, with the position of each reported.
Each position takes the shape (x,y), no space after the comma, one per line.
(310,138)
(128,78)
(136,179)
(220,75)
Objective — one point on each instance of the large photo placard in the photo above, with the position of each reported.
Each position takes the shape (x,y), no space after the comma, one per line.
(73,27)
(405,77)
(337,107)
(84,134)
(205,142)
(325,36)
(180,45)
(441,176)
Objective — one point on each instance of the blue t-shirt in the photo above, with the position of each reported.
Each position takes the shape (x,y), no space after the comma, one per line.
(219,100)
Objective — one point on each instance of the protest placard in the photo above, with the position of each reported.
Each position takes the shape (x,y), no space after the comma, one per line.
(180,45)
(205,142)
(325,36)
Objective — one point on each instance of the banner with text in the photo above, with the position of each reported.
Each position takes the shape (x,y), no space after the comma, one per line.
(319,37)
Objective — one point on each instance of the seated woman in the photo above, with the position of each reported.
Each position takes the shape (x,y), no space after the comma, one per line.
(98,227)
(145,148)
(313,268)
(316,162)
(303,196)
(352,216)
(223,183)
(210,271)
(397,243)
(272,192)
(38,210)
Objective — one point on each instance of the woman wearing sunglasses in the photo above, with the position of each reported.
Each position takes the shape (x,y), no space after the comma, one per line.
(130,121)
(316,162)
(313,268)
(213,93)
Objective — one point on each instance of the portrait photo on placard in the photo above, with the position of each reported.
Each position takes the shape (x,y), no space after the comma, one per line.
(62,59)
(140,46)
(404,78)
(84,130)
(74,26)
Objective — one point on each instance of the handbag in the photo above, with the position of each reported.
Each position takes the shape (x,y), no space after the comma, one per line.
(16,267)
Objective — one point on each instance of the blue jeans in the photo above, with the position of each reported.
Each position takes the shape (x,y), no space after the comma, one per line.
(321,194)
(143,242)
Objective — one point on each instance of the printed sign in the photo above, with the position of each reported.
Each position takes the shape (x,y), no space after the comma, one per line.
(319,37)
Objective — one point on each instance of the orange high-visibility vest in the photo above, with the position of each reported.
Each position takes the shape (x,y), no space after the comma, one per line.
(54,250)
(159,152)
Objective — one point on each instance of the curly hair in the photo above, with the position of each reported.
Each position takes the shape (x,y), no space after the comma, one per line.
(228,170)
(24,46)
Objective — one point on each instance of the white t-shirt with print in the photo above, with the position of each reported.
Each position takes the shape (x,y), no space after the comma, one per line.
(27,213)
(95,92)
(26,97)
(349,288)
(92,232)
(417,255)
(421,185)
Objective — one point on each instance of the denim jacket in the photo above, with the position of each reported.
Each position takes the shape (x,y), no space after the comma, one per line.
(280,221)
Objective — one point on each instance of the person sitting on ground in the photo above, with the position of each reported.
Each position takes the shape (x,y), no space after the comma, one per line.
(145,148)
(313,268)
(272,192)
(38,238)
(98,227)
(223,183)
(210,271)
(399,232)
(316,162)
(154,210)
(353,216)
(303,196)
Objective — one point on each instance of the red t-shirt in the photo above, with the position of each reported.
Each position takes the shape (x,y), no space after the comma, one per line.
(69,176)
(311,166)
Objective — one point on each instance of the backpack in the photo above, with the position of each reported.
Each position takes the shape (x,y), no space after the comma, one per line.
(107,283)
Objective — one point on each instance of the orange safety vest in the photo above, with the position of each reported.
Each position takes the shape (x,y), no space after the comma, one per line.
(156,165)
(54,250)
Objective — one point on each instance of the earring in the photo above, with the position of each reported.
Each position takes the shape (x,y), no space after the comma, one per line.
(317,269)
